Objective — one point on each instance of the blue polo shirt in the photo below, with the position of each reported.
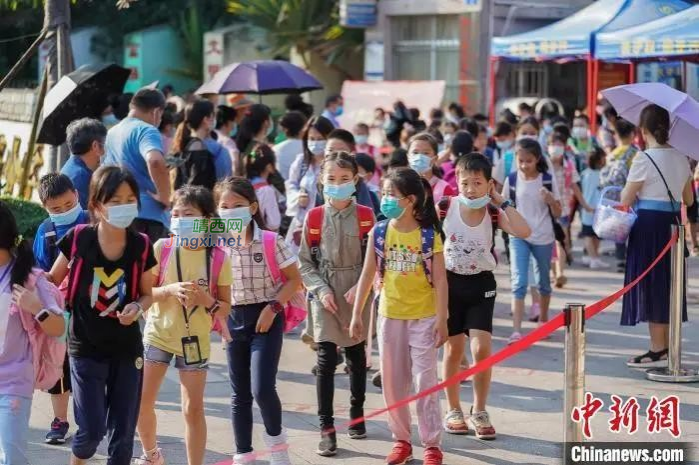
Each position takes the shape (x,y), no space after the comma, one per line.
(78,172)
(127,145)
(45,249)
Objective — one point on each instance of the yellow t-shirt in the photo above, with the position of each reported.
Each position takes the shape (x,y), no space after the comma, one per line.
(406,293)
(165,325)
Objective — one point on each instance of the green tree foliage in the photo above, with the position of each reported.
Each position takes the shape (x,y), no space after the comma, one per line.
(308,25)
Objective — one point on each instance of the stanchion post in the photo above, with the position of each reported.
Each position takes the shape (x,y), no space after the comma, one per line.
(674,373)
(574,370)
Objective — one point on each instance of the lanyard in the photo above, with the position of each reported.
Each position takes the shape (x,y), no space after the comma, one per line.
(188,315)
(7,270)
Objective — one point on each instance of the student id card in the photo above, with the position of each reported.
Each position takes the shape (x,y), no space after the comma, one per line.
(191,350)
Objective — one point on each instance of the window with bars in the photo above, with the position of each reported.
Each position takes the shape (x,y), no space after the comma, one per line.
(427,48)
(527,80)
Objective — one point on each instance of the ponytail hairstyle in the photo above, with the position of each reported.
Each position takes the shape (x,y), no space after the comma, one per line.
(198,197)
(409,182)
(194,115)
(244,188)
(257,160)
(12,241)
(251,124)
(533,147)
(343,160)
(656,120)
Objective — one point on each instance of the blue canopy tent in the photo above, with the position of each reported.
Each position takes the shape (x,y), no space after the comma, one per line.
(675,36)
(573,38)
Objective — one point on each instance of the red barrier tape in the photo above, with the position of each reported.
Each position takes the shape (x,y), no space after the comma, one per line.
(524,343)
(512,349)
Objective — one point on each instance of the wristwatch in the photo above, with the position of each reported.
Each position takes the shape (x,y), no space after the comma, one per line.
(140,309)
(42,315)
(505,205)
(276,306)
(214,308)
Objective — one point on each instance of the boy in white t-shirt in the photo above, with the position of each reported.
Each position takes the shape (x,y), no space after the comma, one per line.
(470,220)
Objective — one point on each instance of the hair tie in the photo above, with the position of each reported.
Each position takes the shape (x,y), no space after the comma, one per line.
(18,240)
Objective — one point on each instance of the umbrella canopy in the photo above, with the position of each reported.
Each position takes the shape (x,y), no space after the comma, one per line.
(82,93)
(260,77)
(630,100)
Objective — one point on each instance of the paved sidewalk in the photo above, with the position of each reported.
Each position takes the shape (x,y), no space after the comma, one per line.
(525,402)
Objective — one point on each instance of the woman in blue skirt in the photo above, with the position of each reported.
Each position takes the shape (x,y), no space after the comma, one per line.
(659,179)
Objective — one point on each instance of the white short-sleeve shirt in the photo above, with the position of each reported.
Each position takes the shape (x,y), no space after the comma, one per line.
(673,165)
(533,208)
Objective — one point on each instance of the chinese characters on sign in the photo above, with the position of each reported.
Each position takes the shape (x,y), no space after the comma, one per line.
(661,415)
(218,225)
(668,46)
(533,49)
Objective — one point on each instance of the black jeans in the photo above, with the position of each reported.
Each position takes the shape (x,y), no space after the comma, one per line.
(355,357)
(253,359)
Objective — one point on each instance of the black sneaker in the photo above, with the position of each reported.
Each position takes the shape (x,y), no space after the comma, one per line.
(328,442)
(58,433)
(357,431)
(376,379)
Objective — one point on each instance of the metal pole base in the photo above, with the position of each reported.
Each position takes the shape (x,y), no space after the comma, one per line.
(665,375)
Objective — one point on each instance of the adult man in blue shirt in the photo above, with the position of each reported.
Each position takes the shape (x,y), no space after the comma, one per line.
(85,138)
(135,143)
(333,109)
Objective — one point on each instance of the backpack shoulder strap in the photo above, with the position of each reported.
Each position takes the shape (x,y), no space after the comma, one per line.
(50,239)
(427,251)
(379,246)
(314,225)
(547,181)
(218,256)
(494,213)
(269,243)
(512,181)
(139,267)
(163,262)
(443,207)
(365,218)
(77,264)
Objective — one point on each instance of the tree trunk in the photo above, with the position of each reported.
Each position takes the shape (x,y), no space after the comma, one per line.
(60,60)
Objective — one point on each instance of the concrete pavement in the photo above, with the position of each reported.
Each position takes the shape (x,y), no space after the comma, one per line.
(525,403)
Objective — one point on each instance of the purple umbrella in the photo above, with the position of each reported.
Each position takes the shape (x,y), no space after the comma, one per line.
(629,100)
(260,77)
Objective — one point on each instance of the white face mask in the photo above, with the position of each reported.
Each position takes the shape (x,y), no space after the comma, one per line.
(121,216)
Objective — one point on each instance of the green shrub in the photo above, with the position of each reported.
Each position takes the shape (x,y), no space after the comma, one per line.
(28,215)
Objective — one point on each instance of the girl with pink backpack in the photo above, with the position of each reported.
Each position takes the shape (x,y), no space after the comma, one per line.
(31,319)
(266,299)
(192,289)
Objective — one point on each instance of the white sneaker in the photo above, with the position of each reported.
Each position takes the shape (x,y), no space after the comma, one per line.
(586,260)
(279,449)
(244,459)
(597,264)
(155,458)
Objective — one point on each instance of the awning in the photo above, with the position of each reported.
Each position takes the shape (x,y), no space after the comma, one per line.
(574,36)
(671,36)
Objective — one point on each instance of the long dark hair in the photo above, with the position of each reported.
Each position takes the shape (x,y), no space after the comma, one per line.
(244,188)
(194,115)
(409,182)
(251,124)
(20,248)
(656,120)
(255,162)
(533,147)
(320,124)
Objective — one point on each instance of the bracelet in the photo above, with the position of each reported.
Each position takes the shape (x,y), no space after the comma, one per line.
(276,307)
(214,308)
(140,309)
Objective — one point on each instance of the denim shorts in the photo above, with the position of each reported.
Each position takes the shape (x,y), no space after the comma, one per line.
(155,355)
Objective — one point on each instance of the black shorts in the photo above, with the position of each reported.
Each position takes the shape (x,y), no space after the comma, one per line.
(587,231)
(471,302)
(63,384)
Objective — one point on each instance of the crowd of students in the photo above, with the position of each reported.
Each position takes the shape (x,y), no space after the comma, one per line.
(394,241)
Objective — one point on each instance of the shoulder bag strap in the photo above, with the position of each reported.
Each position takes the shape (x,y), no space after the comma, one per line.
(669,192)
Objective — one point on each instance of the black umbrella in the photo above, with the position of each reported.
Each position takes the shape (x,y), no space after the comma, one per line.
(82,93)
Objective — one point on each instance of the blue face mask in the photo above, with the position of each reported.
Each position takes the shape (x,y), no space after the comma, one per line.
(390,207)
(239,213)
(66,218)
(361,139)
(234,132)
(339,191)
(110,120)
(504,144)
(121,216)
(339,111)
(475,204)
(185,226)
(317,147)
(420,162)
